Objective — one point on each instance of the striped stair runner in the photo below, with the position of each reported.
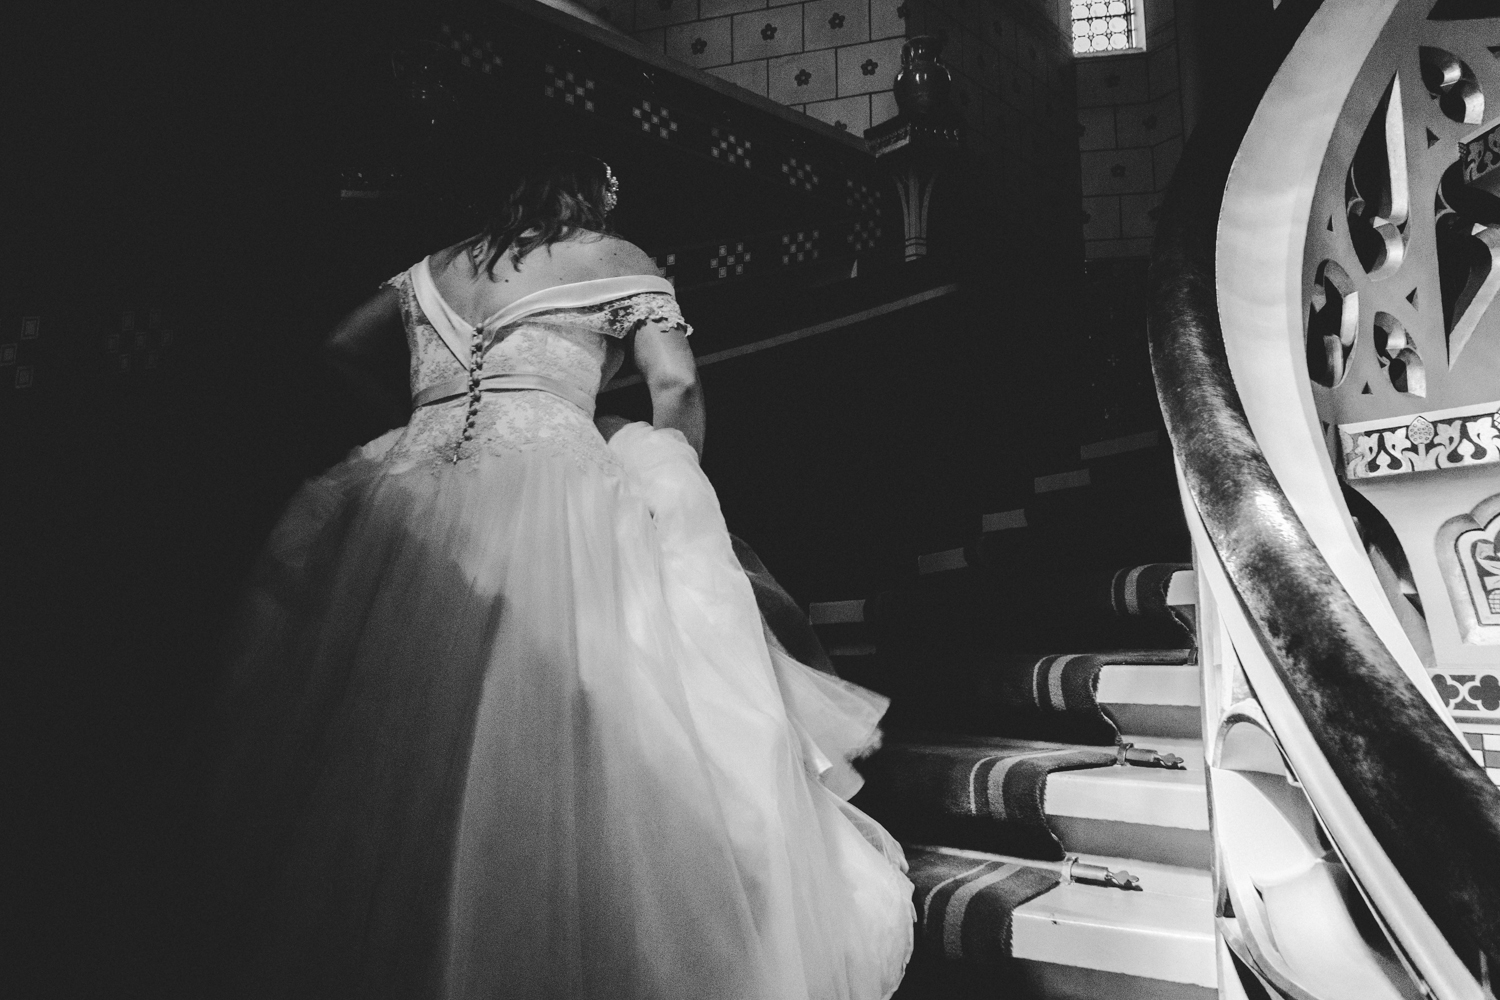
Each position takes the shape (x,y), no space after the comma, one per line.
(1056,695)
(964,906)
(1003,771)
(981,793)
(982,605)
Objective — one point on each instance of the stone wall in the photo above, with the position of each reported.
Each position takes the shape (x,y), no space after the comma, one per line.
(1130,136)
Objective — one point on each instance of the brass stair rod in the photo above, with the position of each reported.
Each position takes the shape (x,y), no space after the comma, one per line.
(1071,868)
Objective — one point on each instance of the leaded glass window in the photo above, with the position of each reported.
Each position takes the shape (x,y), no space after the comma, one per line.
(1105,26)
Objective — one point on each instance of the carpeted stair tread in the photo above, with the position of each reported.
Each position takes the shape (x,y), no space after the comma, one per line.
(1023,695)
(962,614)
(1111,519)
(995,917)
(965,906)
(1120,598)
(979,793)
(1056,696)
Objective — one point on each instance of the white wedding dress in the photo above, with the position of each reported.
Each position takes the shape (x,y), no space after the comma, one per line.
(503,721)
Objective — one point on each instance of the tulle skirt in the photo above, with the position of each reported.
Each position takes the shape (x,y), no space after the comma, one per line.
(510,728)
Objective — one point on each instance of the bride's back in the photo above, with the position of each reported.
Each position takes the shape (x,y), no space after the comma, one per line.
(477,294)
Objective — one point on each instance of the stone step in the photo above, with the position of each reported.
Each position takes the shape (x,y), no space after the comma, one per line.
(1153,699)
(1134,812)
(1083,941)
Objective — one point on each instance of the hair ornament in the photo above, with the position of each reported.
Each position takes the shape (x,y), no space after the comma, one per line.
(611,189)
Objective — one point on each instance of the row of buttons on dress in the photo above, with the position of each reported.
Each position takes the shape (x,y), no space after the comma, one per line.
(476,358)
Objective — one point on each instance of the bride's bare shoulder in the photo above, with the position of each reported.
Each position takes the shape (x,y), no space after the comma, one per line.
(613,257)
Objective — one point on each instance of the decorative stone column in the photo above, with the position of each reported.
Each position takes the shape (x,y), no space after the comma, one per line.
(922,139)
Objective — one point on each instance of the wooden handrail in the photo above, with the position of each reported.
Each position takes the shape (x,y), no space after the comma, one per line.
(1432,810)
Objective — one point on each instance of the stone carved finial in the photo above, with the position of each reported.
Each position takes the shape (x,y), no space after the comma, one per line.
(922,138)
(923,83)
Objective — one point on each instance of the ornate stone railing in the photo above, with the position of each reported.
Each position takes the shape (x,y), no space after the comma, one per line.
(1357,836)
(513,73)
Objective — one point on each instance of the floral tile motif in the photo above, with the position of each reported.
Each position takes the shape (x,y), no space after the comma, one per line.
(1444,439)
(826,23)
(759,34)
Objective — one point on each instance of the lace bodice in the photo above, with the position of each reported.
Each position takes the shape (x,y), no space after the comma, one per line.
(561,333)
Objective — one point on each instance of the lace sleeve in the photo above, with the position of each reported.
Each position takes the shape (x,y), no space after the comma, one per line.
(646,309)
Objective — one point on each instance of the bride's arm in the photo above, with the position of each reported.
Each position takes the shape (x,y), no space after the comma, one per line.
(368,350)
(671,374)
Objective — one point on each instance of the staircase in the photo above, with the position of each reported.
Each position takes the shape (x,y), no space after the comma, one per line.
(1052,805)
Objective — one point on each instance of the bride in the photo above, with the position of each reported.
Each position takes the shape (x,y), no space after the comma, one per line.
(502,720)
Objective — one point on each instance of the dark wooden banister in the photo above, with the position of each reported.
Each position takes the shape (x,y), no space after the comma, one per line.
(1429,806)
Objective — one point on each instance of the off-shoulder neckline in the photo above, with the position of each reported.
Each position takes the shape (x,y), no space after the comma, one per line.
(571,295)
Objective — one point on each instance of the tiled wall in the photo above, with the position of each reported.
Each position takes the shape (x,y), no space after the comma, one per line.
(1012,64)
(837,59)
(1130,136)
(834,59)
(1013,87)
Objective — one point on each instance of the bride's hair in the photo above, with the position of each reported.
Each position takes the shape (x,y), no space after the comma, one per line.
(554,196)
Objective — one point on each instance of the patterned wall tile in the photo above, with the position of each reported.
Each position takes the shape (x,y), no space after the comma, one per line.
(1028,51)
(764,34)
(1148,124)
(952,34)
(1093,249)
(620,13)
(727,145)
(882,106)
(1161,67)
(970,101)
(1101,218)
(802,77)
(1096,128)
(654,39)
(1137,217)
(655,13)
(719,8)
(656,119)
(1474,693)
(1016,87)
(849,113)
(750,75)
(1116,171)
(1160,17)
(701,43)
(826,23)
(799,173)
(1003,35)
(919,17)
(888,18)
(1164,160)
(993,71)
(979,59)
(1112,80)
(866,68)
